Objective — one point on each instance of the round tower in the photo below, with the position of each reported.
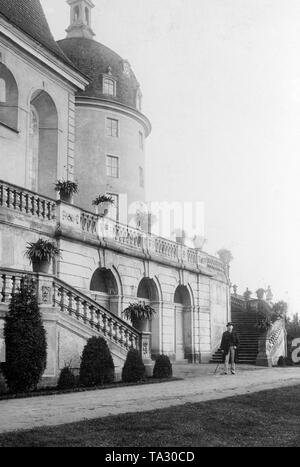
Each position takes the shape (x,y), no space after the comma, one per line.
(110,127)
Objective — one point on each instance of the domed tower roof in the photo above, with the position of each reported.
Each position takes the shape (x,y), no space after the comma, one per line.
(111,77)
(29,17)
(97,62)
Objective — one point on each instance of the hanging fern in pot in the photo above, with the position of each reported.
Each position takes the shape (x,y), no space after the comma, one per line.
(40,254)
(66,189)
(102,204)
(139,314)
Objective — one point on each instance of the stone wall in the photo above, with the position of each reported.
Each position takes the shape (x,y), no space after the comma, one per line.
(32,78)
(92,145)
(191,302)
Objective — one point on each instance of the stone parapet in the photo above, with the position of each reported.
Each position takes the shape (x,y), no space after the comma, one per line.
(64,220)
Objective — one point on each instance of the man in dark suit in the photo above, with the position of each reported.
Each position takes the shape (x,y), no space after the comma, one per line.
(229,347)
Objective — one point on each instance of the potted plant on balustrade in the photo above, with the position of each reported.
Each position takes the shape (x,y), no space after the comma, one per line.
(66,189)
(102,204)
(40,254)
(139,314)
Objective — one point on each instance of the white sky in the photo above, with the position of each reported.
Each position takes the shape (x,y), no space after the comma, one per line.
(221,86)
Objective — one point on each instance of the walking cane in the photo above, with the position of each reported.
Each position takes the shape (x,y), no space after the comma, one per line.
(216,368)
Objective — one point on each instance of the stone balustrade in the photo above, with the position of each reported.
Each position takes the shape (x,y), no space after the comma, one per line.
(271,344)
(85,225)
(57,294)
(274,334)
(238,302)
(27,202)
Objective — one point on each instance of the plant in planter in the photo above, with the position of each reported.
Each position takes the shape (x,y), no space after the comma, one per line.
(199,241)
(225,256)
(40,254)
(66,189)
(102,204)
(260,294)
(139,314)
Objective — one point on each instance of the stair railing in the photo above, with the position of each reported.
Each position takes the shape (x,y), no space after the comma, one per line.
(270,342)
(54,292)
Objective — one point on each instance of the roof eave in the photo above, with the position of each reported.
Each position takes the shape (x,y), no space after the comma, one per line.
(40,52)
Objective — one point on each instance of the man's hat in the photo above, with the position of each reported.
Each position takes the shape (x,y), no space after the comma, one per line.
(229,324)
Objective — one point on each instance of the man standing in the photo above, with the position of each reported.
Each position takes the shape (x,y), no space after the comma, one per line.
(229,346)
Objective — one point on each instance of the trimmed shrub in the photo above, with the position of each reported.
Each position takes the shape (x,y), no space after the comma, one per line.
(282,361)
(162,367)
(3,385)
(66,379)
(134,368)
(25,340)
(97,366)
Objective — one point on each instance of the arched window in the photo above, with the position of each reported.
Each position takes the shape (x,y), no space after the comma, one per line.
(109,86)
(2,90)
(33,155)
(9,96)
(76,14)
(42,155)
(87,16)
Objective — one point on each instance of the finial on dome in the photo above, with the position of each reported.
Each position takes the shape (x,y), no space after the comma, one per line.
(80,19)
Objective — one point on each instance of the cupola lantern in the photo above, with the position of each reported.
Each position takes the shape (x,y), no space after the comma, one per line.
(80,19)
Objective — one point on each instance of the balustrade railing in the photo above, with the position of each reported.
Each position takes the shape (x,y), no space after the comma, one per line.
(275,335)
(33,204)
(56,293)
(84,309)
(238,303)
(26,201)
(270,343)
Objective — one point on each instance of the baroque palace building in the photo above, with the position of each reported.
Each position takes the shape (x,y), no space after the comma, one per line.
(72,110)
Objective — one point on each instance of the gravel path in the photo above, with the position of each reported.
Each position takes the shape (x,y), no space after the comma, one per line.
(199,384)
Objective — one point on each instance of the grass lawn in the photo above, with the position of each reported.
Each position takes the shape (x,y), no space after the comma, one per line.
(266,418)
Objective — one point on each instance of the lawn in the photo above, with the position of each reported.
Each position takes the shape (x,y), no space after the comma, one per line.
(266,418)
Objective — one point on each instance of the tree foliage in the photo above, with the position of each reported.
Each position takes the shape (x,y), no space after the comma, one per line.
(25,340)
(292,327)
(225,256)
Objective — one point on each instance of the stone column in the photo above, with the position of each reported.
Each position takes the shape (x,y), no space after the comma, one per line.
(263,358)
(168,344)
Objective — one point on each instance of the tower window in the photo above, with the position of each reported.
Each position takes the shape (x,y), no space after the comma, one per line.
(2,90)
(76,13)
(109,87)
(112,127)
(141,140)
(87,16)
(126,68)
(141,176)
(112,166)
(139,100)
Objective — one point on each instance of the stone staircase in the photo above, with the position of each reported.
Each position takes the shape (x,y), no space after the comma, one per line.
(244,325)
(75,317)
